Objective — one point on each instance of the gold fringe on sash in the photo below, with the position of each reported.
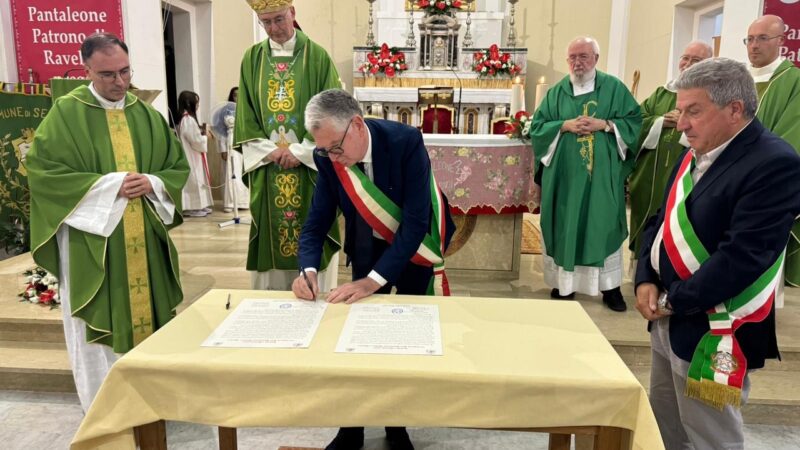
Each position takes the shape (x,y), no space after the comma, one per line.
(713,394)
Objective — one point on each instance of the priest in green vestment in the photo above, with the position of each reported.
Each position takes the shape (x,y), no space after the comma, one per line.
(278,77)
(106,174)
(584,137)
(659,147)
(778,86)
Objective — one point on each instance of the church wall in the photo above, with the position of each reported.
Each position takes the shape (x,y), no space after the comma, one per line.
(547,45)
(233,34)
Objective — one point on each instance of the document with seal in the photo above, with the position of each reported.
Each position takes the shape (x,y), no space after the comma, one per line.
(269,323)
(392,329)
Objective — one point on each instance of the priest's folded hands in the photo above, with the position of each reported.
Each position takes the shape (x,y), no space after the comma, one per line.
(135,185)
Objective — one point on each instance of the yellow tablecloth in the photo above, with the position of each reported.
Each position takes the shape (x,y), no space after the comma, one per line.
(507,363)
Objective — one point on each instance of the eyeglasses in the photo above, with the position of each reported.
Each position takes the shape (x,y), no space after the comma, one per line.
(110,76)
(277,21)
(761,39)
(582,58)
(336,149)
(691,59)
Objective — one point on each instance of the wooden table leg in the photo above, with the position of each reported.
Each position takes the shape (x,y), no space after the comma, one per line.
(608,438)
(559,441)
(151,436)
(227,438)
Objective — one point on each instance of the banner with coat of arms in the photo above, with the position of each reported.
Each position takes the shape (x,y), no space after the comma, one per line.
(22,108)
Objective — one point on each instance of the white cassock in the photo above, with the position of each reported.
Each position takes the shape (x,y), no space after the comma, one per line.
(233,181)
(99,212)
(197,192)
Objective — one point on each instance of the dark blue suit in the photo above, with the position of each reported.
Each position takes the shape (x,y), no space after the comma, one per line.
(742,210)
(401,170)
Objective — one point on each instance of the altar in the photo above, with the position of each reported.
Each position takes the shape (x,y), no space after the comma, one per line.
(460,68)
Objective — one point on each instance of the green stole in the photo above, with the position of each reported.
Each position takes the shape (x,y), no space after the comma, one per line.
(127,285)
(273,92)
(779,112)
(583,199)
(649,179)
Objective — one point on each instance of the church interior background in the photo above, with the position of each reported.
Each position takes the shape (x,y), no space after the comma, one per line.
(197,45)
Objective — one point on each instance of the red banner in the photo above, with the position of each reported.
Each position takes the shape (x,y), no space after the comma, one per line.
(48,34)
(789,11)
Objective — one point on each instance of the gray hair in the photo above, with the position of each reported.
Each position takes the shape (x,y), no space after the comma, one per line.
(709,50)
(334,105)
(725,81)
(586,40)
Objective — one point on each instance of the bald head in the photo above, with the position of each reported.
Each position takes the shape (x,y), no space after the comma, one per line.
(764,40)
(695,52)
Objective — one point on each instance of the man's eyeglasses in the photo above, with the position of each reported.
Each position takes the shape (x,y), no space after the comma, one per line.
(110,77)
(336,149)
(691,59)
(761,39)
(582,58)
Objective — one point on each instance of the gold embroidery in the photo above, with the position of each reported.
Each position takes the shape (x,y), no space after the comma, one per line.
(287,184)
(289,236)
(280,95)
(133,227)
(587,142)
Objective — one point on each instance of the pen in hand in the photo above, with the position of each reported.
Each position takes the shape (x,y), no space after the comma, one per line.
(308,283)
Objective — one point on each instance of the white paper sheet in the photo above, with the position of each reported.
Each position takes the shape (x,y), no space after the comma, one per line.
(269,323)
(392,329)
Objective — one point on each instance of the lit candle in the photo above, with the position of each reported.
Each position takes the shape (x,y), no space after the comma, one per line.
(517,96)
(541,91)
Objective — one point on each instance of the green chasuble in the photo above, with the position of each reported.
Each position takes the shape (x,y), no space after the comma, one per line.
(127,285)
(583,198)
(779,111)
(653,165)
(273,92)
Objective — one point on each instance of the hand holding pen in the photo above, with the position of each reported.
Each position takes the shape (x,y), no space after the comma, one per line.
(305,286)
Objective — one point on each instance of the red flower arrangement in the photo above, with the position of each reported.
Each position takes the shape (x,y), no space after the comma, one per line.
(40,287)
(519,126)
(384,60)
(493,62)
(438,6)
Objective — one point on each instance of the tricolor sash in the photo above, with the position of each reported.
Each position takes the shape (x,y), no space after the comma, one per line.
(718,365)
(384,216)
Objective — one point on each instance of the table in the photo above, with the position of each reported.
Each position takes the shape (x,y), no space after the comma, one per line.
(508,364)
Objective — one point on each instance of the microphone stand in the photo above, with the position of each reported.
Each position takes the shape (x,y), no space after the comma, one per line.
(232,182)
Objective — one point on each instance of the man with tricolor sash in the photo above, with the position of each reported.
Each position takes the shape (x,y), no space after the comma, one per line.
(106,174)
(397,221)
(710,261)
(778,85)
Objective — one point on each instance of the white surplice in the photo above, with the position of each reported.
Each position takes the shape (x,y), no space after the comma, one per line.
(197,192)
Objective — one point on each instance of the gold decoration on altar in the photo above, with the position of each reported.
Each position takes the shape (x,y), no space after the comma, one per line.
(419,82)
(268,6)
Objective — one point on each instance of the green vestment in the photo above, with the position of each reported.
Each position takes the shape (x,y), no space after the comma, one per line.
(653,165)
(779,111)
(273,92)
(583,198)
(74,146)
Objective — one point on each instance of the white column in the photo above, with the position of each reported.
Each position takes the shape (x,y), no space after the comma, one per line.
(618,38)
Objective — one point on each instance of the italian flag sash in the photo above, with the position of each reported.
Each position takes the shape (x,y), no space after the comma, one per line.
(718,365)
(384,216)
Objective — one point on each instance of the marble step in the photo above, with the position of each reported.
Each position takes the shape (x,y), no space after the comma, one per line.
(637,354)
(44,330)
(774,396)
(35,366)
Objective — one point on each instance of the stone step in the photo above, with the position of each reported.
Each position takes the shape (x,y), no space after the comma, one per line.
(32,330)
(637,354)
(774,396)
(35,366)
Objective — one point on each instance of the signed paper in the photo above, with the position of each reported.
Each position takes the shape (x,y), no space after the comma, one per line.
(392,329)
(269,323)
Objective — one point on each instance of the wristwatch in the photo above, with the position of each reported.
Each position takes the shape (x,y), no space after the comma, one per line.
(608,127)
(663,304)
